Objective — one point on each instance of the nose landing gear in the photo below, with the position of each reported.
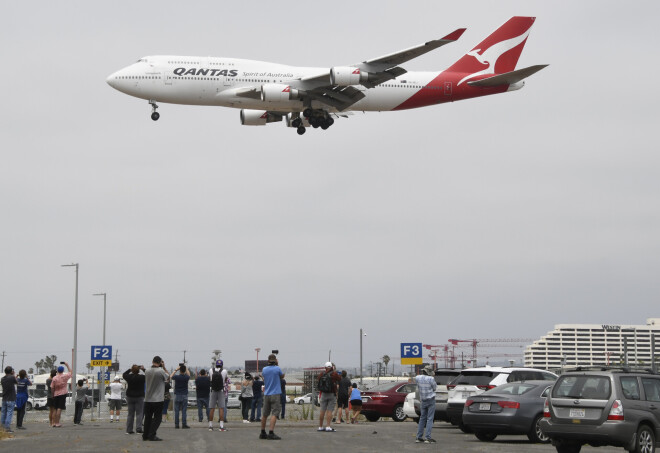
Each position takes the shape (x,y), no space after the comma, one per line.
(154,114)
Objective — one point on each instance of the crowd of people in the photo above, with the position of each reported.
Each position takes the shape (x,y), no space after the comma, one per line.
(148,393)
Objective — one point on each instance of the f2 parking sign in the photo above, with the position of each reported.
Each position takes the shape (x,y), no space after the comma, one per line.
(411,354)
(101,356)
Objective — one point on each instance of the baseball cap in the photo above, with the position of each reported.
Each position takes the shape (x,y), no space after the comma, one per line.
(328,364)
(116,378)
(219,363)
(60,369)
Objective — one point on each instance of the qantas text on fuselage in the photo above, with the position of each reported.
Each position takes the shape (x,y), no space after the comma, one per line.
(302,97)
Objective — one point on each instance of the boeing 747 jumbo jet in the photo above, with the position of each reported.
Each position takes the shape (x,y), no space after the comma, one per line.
(303,97)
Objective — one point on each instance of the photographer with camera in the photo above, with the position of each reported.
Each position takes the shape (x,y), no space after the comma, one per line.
(155,378)
(134,397)
(59,388)
(272,391)
(81,396)
(181,394)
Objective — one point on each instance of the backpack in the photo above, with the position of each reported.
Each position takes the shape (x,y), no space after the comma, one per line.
(217,382)
(325,383)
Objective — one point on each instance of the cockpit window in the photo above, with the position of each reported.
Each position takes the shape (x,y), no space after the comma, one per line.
(142,60)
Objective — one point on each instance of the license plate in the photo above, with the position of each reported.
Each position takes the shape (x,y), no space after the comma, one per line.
(364,400)
(484,406)
(576,413)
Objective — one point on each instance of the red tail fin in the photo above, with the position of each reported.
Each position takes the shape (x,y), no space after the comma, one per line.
(498,53)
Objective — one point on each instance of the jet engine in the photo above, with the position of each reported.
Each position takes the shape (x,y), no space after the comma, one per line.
(274,92)
(346,76)
(258,117)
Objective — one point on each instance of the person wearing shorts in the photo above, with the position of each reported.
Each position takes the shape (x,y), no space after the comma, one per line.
(59,388)
(49,398)
(328,397)
(219,382)
(342,396)
(356,402)
(114,402)
(272,394)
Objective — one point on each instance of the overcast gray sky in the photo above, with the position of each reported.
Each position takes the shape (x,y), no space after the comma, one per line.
(488,218)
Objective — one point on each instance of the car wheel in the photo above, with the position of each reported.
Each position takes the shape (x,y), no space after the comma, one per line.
(567,447)
(372,417)
(536,435)
(645,440)
(28,406)
(485,436)
(300,402)
(399,415)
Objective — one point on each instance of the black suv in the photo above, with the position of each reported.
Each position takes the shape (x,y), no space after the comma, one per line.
(604,406)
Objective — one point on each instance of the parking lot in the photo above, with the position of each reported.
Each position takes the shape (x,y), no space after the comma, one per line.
(297,435)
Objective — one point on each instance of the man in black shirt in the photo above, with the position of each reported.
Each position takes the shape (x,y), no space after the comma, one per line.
(9,383)
(203,386)
(134,397)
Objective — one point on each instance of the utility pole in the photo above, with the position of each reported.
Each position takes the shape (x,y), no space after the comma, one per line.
(184,357)
(3,360)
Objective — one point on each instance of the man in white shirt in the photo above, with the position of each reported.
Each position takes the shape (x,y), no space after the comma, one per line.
(114,401)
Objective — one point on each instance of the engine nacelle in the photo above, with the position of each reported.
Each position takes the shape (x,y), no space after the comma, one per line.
(346,75)
(258,117)
(274,92)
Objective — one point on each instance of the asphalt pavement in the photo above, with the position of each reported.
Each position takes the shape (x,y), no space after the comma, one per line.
(297,436)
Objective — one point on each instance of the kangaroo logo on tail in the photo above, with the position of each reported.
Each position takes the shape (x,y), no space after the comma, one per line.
(492,54)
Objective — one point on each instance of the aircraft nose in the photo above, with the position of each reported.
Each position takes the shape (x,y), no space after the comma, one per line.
(112,80)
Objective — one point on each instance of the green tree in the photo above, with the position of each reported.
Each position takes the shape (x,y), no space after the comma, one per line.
(386,360)
(46,364)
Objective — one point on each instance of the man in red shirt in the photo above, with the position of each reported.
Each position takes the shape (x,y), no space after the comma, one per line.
(59,389)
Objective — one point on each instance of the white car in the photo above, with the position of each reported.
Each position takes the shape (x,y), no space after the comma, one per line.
(475,381)
(232,399)
(409,406)
(305,399)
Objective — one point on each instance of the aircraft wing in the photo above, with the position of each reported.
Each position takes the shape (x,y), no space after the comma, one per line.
(387,67)
(335,96)
(397,58)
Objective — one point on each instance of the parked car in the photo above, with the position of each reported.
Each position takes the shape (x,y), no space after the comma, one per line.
(192,398)
(616,406)
(232,399)
(443,376)
(475,381)
(508,409)
(409,407)
(386,400)
(304,399)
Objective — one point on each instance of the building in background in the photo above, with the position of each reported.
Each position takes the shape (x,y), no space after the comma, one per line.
(571,345)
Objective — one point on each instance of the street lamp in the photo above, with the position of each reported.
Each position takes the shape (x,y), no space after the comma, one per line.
(257,349)
(75,336)
(361,373)
(102,389)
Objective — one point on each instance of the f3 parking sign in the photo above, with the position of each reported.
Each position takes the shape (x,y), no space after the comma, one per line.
(411,354)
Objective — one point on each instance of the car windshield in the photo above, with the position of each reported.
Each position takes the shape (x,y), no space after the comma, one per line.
(587,387)
(474,378)
(511,389)
(384,387)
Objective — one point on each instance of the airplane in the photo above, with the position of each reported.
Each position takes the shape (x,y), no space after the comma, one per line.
(304,97)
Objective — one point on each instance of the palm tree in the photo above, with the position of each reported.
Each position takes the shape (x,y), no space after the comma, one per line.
(386,360)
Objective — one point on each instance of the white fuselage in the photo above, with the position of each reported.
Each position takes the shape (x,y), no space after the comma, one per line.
(220,81)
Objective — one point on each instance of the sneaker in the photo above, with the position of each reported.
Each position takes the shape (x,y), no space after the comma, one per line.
(110,420)
(139,431)
(419,440)
(263,436)
(330,430)
(130,432)
(185,427)
(428,440)
(210,428)
(321,429)
(222,429)
(273,436)
(176,426)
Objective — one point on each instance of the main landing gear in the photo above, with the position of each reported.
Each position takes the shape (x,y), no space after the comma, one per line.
(154,114)
(316,119)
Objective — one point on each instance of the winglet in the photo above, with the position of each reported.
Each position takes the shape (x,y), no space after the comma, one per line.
(454,35)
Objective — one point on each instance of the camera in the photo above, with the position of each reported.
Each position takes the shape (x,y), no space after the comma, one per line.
(182,364)
(275,351)
(62,363)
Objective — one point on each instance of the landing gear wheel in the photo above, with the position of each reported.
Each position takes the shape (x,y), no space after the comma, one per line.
(301,130)
(296,122)
(307,112)
(330,121)
(155,116)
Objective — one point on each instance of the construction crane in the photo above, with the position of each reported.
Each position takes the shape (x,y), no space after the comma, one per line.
(447,355)
(491,343)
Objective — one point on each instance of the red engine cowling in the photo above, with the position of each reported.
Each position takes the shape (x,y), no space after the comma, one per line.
(274,92)
(345,76)
(258,117)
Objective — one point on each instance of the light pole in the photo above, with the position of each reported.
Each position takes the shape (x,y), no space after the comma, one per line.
(74,376)
(102,389)
(257,349)
(361,373)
